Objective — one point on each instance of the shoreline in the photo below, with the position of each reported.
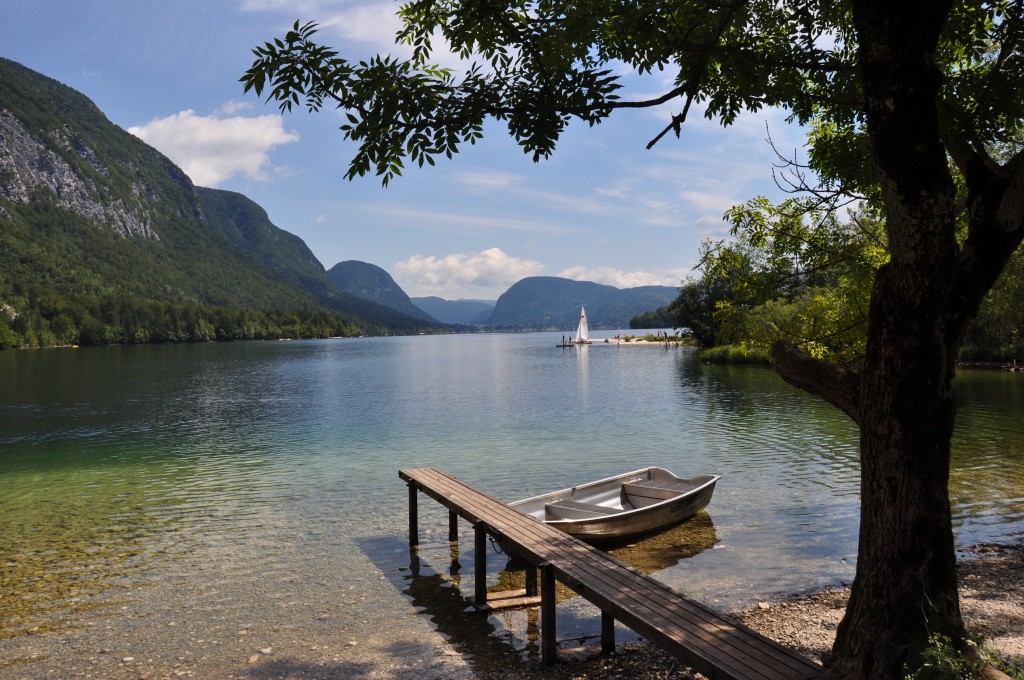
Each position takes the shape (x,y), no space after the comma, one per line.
(991,579)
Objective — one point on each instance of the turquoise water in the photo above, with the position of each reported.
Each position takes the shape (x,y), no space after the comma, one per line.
(242,481)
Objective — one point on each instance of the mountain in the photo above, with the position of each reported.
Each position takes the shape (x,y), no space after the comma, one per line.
(246,225)
(370,282)
(466,312)
(551,303)
(90,215)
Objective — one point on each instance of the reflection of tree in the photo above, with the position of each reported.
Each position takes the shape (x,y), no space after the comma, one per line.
(749,410)
(987,477)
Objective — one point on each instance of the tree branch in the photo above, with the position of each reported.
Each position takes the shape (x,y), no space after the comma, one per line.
(838,386)
(996,231)
(969,159)
(692,85)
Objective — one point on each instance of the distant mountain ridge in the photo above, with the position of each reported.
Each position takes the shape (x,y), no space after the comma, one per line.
(465,312)
(534,303)
(370,282)
(552,303)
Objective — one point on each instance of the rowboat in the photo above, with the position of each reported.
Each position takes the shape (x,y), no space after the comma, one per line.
(623,507)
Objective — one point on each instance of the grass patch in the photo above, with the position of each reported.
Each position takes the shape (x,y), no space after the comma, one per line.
(736,354)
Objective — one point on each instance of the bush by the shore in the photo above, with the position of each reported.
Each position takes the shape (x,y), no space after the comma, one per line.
(736,354)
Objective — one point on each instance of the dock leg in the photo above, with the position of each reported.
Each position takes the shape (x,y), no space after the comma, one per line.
(453,526)
(453,552)
(531,581)
(414,532)
(607,633)
(548,644)
(480,557)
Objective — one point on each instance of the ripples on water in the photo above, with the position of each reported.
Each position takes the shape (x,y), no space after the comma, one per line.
(241,481)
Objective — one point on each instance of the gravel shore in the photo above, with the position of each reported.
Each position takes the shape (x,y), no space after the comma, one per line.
(991,599)
(180,643)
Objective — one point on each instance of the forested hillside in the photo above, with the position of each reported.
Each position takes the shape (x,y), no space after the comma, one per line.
(103,239)
(370,282)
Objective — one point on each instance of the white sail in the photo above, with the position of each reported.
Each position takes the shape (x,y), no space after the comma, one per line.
(583,331)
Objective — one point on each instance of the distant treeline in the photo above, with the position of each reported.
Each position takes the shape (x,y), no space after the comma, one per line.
(659,318)
(52,320)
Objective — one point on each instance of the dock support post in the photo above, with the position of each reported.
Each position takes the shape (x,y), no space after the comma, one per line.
(414,532)
(453,526)
(480,558)
(607,633)
(531,581)
(548,644)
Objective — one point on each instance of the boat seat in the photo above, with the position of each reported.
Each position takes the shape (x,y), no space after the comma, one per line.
(658,490)
(576,510)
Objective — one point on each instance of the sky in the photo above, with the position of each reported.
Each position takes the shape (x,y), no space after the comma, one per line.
(603,208)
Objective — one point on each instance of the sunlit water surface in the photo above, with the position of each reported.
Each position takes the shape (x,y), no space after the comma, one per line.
(253,481)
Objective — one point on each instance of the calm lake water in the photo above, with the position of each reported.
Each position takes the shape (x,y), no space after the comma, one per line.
(248,482)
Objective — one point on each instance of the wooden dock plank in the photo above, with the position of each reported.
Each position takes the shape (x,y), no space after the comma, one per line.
(690,631)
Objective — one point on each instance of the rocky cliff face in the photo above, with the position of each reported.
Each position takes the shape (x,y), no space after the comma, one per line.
(27,165)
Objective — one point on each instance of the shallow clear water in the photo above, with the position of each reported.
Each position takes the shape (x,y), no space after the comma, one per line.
(242,481)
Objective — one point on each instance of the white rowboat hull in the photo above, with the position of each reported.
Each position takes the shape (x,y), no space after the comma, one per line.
(623,507)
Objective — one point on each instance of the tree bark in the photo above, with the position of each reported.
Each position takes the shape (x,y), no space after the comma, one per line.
(905,586)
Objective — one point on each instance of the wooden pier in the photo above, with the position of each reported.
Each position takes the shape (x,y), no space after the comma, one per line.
(691,632)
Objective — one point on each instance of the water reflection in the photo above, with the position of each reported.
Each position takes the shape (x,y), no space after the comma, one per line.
(125,469)
(987,476)
(494,641)
(669,548)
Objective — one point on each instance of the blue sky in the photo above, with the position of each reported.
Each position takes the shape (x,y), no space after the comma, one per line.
(602,209)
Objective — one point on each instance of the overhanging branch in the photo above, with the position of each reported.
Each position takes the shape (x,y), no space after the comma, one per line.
(838,386)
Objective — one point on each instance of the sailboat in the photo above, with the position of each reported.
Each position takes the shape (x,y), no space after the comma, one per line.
(583,331)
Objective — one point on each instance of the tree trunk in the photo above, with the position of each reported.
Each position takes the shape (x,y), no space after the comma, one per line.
(905,586)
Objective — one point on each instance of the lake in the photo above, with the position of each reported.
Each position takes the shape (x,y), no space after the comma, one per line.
(179,503)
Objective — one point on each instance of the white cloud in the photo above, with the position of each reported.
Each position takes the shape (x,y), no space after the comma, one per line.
(375,23)
(467,275)
(620,279)
(212,149)
(232,107)
(484,181)
(472,222)
(371,24)
(710,202)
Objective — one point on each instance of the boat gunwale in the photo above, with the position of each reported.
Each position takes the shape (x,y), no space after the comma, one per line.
(623,513)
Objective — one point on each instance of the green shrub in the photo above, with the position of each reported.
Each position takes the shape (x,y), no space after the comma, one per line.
(940,659)
(736,354)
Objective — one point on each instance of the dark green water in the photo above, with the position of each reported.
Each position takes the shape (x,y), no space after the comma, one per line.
(257,482)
